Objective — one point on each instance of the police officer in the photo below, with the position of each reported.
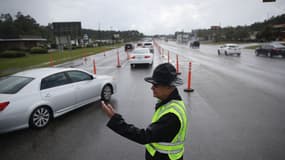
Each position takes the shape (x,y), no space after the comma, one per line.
(164,138)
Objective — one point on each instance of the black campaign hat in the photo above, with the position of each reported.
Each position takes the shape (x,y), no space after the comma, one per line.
(165,74)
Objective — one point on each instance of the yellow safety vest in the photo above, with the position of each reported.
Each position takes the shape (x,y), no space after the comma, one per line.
(175,148)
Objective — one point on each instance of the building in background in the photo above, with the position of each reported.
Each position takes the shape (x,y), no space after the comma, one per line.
(22,43)
(279,29)
(183,37)
(216,27)
(67,34)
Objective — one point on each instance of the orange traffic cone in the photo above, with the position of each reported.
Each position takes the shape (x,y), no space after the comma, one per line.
(177,65)
(168,57)
(51,61)
(94,66)
(118,60)
(85,59)
(128,55)
(189,89)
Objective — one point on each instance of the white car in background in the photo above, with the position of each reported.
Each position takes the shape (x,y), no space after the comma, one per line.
(141,56)
(34,97)
(229,49)
(148,45)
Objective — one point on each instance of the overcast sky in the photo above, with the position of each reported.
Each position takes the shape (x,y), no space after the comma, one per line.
(147,16)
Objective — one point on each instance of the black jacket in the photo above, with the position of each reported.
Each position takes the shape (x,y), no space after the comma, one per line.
(164,130)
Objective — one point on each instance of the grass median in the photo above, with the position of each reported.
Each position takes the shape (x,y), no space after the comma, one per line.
(12,65)
(252,47)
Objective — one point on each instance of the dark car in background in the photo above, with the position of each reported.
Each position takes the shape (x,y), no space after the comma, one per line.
(195,44)
(129,47)
(271,49)
(139,44)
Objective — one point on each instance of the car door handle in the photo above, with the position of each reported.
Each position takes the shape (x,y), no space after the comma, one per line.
(47,95)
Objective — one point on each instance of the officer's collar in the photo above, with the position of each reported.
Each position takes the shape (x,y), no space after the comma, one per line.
(173,96)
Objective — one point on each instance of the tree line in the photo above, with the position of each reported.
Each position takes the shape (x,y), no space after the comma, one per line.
(127,36)
(24,25)
(259,31)
(21,25)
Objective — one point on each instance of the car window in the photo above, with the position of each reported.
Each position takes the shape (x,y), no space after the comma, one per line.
(147,44)
(55,80)
(77,76)
(13,84)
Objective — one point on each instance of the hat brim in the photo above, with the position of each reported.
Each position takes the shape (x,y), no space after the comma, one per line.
(177,82)
(150,80)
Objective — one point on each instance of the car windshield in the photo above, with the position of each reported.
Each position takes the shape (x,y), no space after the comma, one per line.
(141,51)
(13,84)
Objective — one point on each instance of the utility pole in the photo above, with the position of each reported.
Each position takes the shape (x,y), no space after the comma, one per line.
(99,38)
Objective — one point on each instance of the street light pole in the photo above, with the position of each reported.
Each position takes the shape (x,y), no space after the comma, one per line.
(111,35)
(99,36)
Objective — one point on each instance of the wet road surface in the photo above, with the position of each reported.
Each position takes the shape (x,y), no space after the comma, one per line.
(236,111)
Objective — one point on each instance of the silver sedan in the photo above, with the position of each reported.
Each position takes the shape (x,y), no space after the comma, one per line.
(33,98)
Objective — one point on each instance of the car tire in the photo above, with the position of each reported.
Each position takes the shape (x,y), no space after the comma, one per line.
(107,92)
(226,53)
(219,53)
(40,117)
(132,66)
(256,53)
(238,54)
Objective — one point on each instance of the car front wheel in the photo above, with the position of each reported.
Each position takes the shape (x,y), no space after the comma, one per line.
(106,93)
(40,117)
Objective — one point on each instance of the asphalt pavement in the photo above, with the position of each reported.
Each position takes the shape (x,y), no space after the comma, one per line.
(236,111)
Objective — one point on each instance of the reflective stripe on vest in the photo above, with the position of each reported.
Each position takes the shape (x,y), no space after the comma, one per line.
(175,148)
